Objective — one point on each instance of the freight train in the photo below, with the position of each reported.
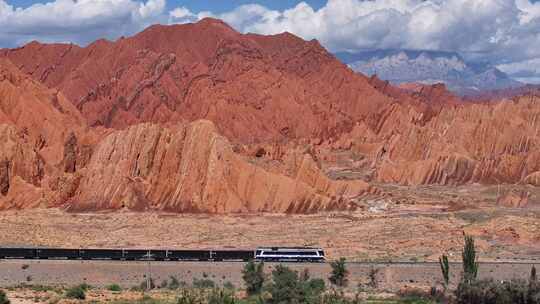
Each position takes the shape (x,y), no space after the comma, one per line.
(278,254)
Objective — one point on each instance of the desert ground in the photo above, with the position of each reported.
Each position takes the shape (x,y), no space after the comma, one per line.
(408,224)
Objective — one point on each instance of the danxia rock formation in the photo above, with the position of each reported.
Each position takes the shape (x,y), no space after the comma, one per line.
(200,118)
(252,87)
(50,158)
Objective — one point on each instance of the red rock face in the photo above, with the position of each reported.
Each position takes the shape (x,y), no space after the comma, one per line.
(255,88)
(50,158)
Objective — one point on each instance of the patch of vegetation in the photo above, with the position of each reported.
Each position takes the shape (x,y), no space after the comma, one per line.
(445,270)
(43,288)
(76,292)
(253,276)
(490,291)
(114,287)
(339,273)
(3,297)
(372,276)
(229,286)
(221,297)
(145,299)
(175,284)
(470,265)
(203,283)
(288,287)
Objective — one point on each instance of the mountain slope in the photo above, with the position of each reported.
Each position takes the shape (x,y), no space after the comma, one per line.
(50,158)
(253,87)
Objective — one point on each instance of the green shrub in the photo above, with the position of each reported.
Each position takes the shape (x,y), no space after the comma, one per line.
(3,297)
(445,269)
(221,297)
(336,298)
(229,286)
(76,292)
(253,276)
(190,297)
(419,296)
(373,278)
(339,273)
(285,286)
(203,283)
(489,291)
(114,287)
(175,284)
(317,285)
(85,286)
(533,292)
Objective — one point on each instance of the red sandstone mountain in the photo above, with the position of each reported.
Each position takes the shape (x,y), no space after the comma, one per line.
(254,88)
(275,109)
(49,157)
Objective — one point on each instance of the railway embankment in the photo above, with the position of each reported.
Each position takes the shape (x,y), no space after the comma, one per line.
(388,276)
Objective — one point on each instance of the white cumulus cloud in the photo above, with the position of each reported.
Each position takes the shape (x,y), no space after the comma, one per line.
(78,21)
(498,31)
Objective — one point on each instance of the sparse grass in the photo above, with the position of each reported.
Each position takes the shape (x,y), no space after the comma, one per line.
(203,283)
(76,292)
(146,299)
(114,287)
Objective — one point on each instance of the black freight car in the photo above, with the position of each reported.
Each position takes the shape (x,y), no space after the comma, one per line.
(57,253)
(188,255)
(101,254)
(232,255)
(137,254)
(17,253)
(158,255)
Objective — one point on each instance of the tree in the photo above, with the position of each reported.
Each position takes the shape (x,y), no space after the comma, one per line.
(445,270)
(470,265)
(253,276)
(533,279)
(285,288)
(339,273)
(533,292)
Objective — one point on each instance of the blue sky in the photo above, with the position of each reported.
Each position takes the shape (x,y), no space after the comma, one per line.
(212,5)
(505,33)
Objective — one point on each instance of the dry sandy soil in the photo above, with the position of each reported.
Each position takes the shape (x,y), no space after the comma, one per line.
(409,224)
(389,277)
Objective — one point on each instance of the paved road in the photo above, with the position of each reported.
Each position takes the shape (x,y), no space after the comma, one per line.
(99,273)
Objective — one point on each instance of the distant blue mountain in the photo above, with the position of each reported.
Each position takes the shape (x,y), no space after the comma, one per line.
(401,66)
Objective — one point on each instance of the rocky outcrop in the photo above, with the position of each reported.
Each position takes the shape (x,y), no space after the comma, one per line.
(4,177)
(514,199)
(457,144)
(70,154)
(193,169)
